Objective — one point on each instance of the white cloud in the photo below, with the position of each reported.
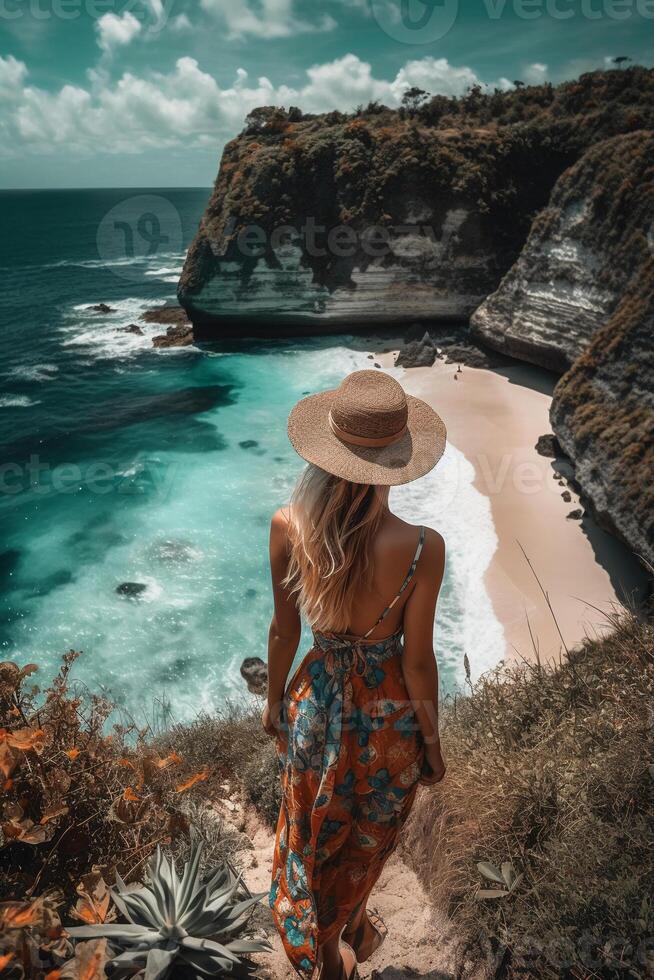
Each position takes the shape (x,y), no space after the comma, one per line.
(114,31)
(186,107)
(181,23)
(12,76)
(263,18)
(536,74)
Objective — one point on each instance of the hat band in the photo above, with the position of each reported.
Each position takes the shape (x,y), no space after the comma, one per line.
(353,440)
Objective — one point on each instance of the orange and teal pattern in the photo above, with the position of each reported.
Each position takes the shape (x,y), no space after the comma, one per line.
(350,761)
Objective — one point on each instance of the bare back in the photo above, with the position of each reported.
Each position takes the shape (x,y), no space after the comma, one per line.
(393,551)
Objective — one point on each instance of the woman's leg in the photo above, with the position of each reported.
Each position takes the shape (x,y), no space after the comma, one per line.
(332,961)
(360,932)
(337,960)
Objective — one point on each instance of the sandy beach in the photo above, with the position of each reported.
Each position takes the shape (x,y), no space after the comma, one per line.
(494,417)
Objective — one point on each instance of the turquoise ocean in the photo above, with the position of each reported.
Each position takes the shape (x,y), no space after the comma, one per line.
(122,463)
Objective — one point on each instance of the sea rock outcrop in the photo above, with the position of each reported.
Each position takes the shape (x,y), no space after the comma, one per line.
(179,331)
(255,674)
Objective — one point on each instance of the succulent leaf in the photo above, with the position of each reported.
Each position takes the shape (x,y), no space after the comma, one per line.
(492,893)
(178,918)
(159,963)
(489,871)
(508,874)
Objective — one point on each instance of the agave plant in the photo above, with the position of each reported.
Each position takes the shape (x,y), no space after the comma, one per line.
(179,926)
(506,876)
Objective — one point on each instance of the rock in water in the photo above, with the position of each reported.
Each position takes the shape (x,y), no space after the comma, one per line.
(101,308)
(131,590)
(175,337)
(173,315)
(132,328)
(255,673)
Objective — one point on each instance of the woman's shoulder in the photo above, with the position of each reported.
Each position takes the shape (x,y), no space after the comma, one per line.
(432,540)
(282,517)
(280,524)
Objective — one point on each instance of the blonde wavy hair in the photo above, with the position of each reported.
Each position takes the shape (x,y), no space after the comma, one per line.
(332,524)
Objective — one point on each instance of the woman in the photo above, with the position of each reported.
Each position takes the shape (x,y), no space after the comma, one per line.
(357,726)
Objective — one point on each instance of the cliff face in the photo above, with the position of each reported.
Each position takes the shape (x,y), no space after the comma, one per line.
(603,413)
(320,223)
(326,223)
(603,407)
(326,227)
(579,257)
(581,295)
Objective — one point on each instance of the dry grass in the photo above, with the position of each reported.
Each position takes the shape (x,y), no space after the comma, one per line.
(551,769)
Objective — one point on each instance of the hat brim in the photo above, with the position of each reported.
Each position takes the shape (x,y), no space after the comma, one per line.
(415,454)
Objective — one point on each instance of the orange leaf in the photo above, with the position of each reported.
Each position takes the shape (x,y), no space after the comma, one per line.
(126,763)
(5,960)
(8,759)
(26,739)
(130,795)
(53,975)
(72,753)
(17,918)
(58,810)
(171,760)
(199,776)
(8,783)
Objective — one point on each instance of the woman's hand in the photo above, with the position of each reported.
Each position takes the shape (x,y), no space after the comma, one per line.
(434,768)
(271,720)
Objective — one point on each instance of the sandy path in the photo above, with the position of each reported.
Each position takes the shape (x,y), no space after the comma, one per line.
(416,945)
(494,417)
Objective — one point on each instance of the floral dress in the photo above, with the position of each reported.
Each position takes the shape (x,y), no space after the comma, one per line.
(350,763)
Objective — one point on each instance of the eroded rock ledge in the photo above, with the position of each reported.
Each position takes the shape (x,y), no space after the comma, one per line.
(581,296)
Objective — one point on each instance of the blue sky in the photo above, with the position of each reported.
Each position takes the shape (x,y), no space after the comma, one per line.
(136,93)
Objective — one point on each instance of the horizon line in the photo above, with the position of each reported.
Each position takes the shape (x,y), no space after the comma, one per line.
(120,187)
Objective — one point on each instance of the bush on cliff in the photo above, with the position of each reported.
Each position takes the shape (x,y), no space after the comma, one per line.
(82,800)
(553,771)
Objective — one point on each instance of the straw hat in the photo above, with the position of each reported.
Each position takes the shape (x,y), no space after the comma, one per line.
(368,431)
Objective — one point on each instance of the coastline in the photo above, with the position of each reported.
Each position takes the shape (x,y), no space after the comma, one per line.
(494,417)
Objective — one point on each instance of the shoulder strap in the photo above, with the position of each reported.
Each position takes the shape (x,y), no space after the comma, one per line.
(408,577)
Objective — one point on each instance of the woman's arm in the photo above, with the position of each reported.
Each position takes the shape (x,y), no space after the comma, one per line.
(285,627)
(418,660)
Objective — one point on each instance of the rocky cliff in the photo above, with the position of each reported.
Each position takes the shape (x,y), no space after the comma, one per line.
(329,223)
(603,412)
(579,258)
(580,296)
(332,222)
(325,228)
